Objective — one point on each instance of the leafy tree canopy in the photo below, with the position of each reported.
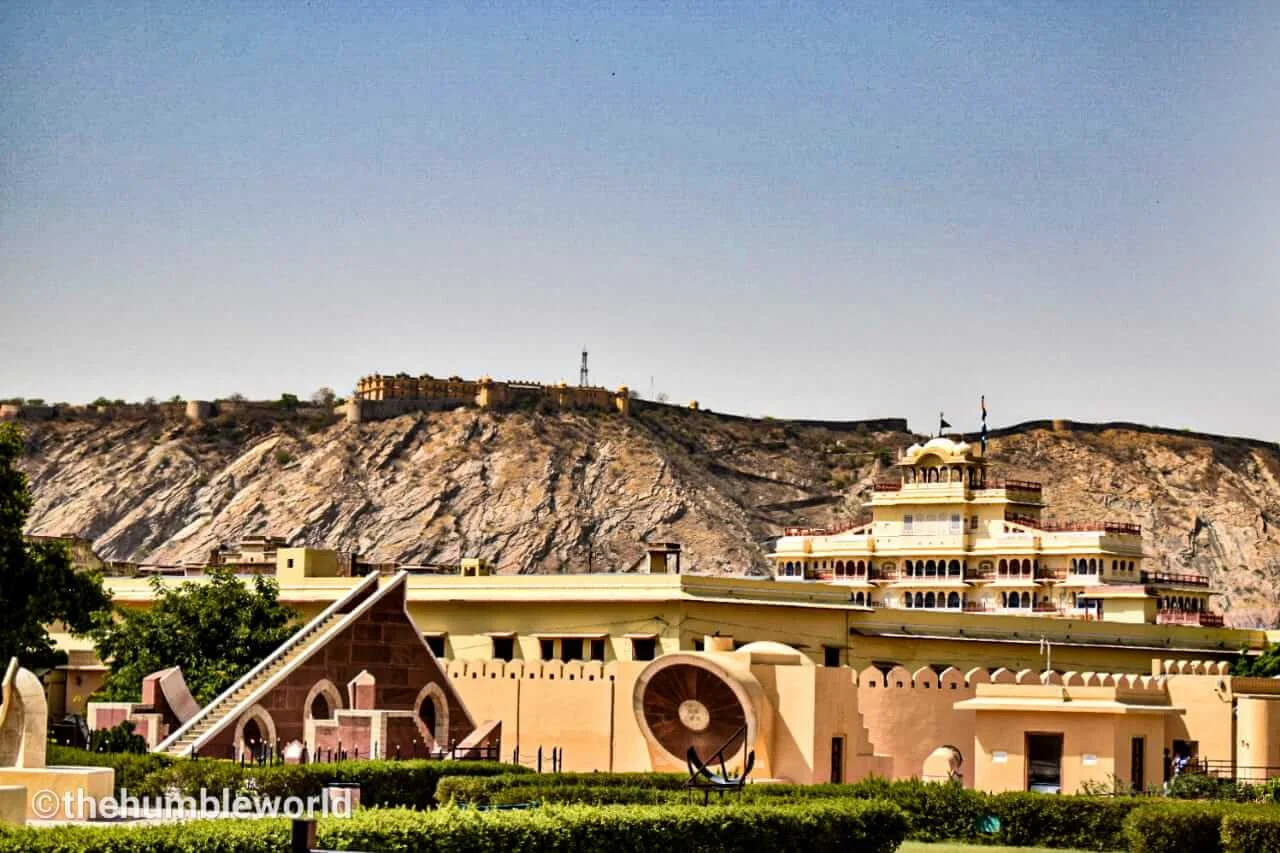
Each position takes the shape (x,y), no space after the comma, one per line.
(216,630)
(1265,665)
(38,583)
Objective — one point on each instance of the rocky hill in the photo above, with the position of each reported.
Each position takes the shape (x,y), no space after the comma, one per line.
(562,492)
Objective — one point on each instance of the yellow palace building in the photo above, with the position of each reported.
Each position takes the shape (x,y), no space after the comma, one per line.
(946,536)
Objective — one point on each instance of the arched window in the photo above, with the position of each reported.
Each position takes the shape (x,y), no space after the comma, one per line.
(907,600)
(1004,568)
(862,568)
(839,568)
(919,599)
(1004,600)
(433,711)
(1093,566)
(910,569)
(1026,568)
(931,568)
(255,731)
(323,700)
(1026,599)
(857,599)
(954,567)
(953,600)
(928,600)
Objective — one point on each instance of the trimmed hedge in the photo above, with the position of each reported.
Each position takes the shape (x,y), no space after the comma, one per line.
(1046,820)
(131,768)
(483,790)
(1251,831)
(1176,827)
(830,827)
(935,812)
(411,783)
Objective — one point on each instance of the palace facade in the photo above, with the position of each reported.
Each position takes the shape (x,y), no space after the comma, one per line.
(945,535)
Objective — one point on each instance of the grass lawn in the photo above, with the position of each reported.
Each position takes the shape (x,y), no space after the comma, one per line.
(947,847)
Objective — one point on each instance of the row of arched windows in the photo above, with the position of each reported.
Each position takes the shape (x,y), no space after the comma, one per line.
(943,474)
(929,599)
(942,568)
(1013,568)
(933,568)
(1180,602)
(852,569)
(1013,600)
(1093,566)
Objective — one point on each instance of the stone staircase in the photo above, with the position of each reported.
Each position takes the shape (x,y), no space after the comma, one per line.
(213,716)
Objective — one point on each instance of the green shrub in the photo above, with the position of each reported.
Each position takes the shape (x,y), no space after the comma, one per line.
(1176,827)
(481,790)
(1045,820)
(409,783)
(1251,831)
(1199,786)
(131,770)
(873,827)
(587,795)
(120,738)
(935,811)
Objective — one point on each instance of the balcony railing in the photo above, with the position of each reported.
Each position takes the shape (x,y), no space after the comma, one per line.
(1171,577)
(1041,609)
(1015,485)
(829,530)
(1186,617)
(1119,527)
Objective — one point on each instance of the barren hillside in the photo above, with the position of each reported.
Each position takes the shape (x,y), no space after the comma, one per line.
(539,492)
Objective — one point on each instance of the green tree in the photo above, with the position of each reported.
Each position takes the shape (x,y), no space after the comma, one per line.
(38,583)
(215,630)
(1265,665)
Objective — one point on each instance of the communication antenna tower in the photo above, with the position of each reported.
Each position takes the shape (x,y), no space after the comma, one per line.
(582,373)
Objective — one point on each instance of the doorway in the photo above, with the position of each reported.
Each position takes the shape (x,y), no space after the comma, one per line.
(1044,763)
(837,760)
(1138,761)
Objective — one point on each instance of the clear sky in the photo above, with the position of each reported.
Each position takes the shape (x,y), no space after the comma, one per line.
(795,210)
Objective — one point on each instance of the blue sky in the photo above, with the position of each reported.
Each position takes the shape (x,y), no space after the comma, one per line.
(797,210)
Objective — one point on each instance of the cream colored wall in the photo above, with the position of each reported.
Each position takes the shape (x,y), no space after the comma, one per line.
(1207,717)
(793,692)
(1095,734)
(1129,610)
(548,704)
(910,721)
(838,712)
(1257,733)
(1154,729)
(293,565)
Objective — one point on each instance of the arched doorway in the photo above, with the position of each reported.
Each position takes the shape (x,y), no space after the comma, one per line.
(433,713)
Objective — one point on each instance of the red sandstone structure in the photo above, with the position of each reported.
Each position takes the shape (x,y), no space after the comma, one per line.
(358,679)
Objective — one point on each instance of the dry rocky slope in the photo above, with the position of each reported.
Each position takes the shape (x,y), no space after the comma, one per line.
(560,492)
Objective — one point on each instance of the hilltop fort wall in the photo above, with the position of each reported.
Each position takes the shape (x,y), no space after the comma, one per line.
(381,396)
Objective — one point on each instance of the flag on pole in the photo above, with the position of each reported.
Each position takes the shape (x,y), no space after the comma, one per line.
(942,423)
(984,424)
